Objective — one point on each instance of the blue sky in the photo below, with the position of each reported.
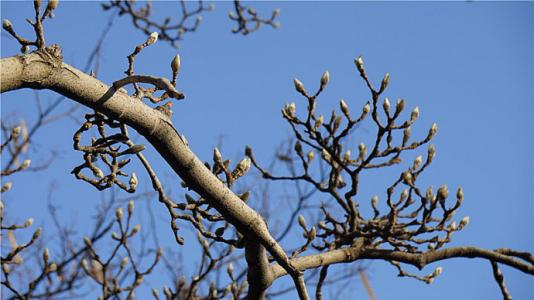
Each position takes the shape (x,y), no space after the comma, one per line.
(469,66)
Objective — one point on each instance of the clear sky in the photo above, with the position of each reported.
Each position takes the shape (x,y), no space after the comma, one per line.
(469,66)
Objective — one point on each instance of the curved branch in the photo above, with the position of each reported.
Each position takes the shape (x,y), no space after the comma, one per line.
(418,260)
(44,69)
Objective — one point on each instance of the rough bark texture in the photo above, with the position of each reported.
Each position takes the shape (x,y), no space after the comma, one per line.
(44,69)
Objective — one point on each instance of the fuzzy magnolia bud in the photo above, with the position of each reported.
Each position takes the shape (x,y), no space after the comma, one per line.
(374,201)
(130,207)
(460,194)
(6,24)
(406,135)
(290,109)
(407,178)
(417,162)
(438,271)
(325,78)
(230,270)
(433,130)
(346,157)
(28,223)
(118,213)
(415,114)
(242,167)
(6,187)
(453,227)
(318,122)
(312,234)
(175,64)
(359,64)
(363,151)
(302,221)
(344,107)
(217,157)
(385,82)
(431,151)
(310,156)
(133,180)
(386,105)
(124,262)
(87,242)
(136,229)
(25,164)
(46,255)
(400,105)
(443,192)
(52,4)
(366,108)
(464,222)
(155,293)
(152,38)
(299,86)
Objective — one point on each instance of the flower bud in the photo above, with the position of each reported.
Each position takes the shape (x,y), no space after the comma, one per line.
(443,192)
(52,4)
(118,213)
(324,79)
(432,131)
(87,242)
(6,187)
(299,86)
(366,108)
(452,226)
(374,200)
(155,293)
(124,262)
(406,135)
(302,221)
(25,164)
(344,107)
(438,271)
(464,222)
(386,105)
(363,151)
(460,194)
(415,114)
(28,223)
(318,122)
(133,180)
(346,157)
(359,64)
(407,178)
(431,151)
(136,229)
(230,270)
(310,156)
(175,64)
(130,207)
(385,82)
(6,24)
(400,105)
(52,267)
(152,38)
(217,157)
(46,255)
(417,162)
(312,234)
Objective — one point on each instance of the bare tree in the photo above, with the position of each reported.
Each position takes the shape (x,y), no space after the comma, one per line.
(412,226)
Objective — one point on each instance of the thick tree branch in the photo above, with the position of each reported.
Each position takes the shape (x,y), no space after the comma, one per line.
(418,260)
(44,69)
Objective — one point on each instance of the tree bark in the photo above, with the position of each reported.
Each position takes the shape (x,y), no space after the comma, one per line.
(44,69)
